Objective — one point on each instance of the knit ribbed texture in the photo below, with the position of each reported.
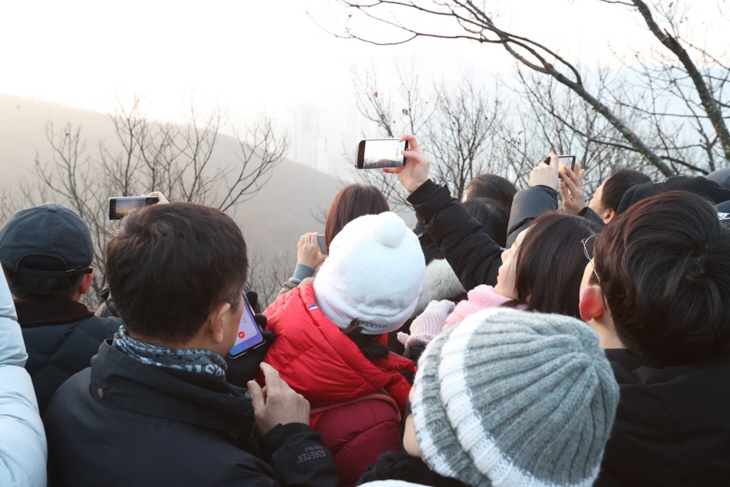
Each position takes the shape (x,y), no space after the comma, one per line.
(513,398)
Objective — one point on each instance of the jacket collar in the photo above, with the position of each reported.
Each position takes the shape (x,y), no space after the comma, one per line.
(207,402)
(53,311)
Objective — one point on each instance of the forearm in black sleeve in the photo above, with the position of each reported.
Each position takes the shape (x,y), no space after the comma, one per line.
(527,205)
(299,457)
(474,255)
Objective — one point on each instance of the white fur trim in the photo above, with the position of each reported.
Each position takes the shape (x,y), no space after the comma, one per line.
(439,282)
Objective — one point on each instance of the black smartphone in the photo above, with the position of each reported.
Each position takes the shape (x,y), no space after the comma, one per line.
(121,206)
(322,244)
(249,334)
(379,153)
(566,161)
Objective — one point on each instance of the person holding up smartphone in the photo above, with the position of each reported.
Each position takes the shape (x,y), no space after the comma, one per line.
(352,201)
(474,255)
(157,395)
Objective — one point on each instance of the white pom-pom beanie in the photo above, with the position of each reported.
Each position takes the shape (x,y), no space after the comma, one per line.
(374,273)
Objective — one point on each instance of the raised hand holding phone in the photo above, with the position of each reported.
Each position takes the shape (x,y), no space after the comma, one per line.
(546,173)
(415,171)
(571,189)
(308,250)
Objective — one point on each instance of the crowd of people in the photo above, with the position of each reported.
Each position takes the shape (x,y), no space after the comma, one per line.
(513,338)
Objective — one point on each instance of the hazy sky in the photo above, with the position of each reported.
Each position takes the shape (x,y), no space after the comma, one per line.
(253,56)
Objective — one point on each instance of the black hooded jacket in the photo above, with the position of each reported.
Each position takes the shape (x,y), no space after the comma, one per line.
(61,336)
(123,423)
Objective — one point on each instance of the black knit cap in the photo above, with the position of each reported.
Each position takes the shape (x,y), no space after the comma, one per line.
(46,241)
(698,185)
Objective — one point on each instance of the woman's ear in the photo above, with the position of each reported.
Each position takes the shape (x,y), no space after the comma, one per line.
(591,304)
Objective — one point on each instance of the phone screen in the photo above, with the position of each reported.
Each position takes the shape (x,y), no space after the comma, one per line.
(378,153)
(566,161)
(248,334)
(121,206)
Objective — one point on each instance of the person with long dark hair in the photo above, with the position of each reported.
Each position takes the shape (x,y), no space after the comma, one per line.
(353,201)
(331,337)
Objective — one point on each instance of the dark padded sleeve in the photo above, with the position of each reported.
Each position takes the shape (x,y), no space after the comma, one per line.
(299,457)
(528,205)
(474,255)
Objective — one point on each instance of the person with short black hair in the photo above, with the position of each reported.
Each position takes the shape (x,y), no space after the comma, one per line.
(603,207)
(46,254)
(606,199)
(155,407)
(656,290)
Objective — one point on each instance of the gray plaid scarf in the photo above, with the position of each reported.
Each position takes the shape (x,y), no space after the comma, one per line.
(196,360)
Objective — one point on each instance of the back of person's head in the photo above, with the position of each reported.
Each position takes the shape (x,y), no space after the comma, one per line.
(493,215)
(351,202)
(374,273)
(550,263)
(514,398)
(169,266)
(664,269)
(698,185)
(491,186)
(616,186)
(45,252)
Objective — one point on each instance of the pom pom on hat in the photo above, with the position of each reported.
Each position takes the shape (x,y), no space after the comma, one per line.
(389,230)
(374,273)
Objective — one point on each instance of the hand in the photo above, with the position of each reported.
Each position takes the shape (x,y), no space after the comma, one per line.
(546,174)
(415,171)
(308,251)
(162,201)
(276,403)
(428,324)
(571,189)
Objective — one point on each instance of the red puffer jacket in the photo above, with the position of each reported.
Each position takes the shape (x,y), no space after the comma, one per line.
(356,404)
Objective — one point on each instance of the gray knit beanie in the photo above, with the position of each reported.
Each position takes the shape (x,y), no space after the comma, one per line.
(515,398)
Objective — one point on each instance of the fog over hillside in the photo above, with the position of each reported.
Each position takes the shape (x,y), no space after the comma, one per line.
(291,203)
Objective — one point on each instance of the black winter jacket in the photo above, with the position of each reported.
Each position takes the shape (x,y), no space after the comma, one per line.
(532,202)
(591,215)
(61,336)
(123,423)
(473,255)
(527,205)
(672,425)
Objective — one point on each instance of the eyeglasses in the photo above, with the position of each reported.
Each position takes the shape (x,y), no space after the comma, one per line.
(588,244)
